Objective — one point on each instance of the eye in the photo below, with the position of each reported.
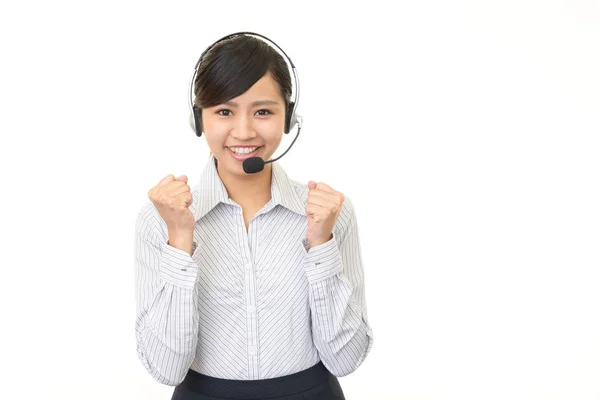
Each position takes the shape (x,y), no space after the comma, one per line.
(224,112)
(264,112)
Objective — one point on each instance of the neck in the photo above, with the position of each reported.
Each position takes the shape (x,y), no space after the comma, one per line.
(250,190)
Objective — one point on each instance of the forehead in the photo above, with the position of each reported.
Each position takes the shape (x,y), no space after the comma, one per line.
(266,88)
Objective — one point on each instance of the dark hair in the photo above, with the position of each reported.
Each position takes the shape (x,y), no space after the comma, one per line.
(233,65)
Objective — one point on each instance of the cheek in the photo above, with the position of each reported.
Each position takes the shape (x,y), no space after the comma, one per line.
(215,139)
(271,126)
(271,131)
(214,129)
(212,124)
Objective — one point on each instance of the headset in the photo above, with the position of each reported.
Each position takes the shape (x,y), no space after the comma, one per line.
(291,118)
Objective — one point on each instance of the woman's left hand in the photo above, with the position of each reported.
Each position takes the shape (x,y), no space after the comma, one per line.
(323,207)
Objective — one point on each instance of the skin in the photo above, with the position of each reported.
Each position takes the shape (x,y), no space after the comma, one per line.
(257,117)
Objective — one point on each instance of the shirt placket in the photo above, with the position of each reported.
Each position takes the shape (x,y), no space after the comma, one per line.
(250,296)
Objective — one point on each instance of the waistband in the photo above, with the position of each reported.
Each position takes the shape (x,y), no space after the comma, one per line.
(271,387)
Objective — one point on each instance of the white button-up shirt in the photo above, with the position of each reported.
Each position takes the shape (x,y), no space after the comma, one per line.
(249,304)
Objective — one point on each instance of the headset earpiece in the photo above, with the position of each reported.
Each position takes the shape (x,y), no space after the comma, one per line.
(196,120)
(290,117)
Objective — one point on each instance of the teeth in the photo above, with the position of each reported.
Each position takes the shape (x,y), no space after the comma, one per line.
(243,150)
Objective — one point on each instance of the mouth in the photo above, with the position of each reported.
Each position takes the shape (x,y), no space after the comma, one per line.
(241,154)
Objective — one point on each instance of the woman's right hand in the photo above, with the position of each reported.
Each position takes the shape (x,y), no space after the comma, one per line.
(172,197)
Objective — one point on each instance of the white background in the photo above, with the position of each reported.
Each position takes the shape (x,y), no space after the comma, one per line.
(466,133)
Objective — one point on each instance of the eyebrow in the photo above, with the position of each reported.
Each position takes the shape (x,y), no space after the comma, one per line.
(254,104)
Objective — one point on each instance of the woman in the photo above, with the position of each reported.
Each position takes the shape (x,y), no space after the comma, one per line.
(249,285)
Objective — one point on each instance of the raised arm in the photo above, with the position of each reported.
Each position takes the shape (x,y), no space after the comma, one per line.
(334,269)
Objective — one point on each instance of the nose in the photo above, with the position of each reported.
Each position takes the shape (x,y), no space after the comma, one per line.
(243,129)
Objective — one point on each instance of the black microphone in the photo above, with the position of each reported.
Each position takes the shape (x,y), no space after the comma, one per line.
(253,165)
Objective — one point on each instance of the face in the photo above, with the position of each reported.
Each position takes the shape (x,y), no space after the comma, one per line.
(249,125)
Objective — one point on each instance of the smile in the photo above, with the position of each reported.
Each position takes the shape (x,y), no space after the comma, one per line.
(242,153)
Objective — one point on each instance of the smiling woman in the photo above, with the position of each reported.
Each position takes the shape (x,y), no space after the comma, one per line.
(249,286)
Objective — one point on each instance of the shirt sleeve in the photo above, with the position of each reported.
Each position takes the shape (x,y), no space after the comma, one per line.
(341,331)
(167,315)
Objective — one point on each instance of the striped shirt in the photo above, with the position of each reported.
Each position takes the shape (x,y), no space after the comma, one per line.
(249,304)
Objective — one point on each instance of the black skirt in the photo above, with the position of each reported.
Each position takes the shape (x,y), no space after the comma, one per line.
(314,383)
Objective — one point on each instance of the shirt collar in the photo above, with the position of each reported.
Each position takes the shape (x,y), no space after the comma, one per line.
(212,191)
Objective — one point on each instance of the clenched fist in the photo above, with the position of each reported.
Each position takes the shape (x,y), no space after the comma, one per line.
(172,197)
(323,207)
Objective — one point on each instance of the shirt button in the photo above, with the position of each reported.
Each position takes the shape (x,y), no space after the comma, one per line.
(248,266)
(251,308)
(252,350)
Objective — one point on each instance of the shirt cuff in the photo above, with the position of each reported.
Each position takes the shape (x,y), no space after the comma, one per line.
(322,261)
(177,267)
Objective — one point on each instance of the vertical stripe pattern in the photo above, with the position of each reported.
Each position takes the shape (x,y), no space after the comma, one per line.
(249,304)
